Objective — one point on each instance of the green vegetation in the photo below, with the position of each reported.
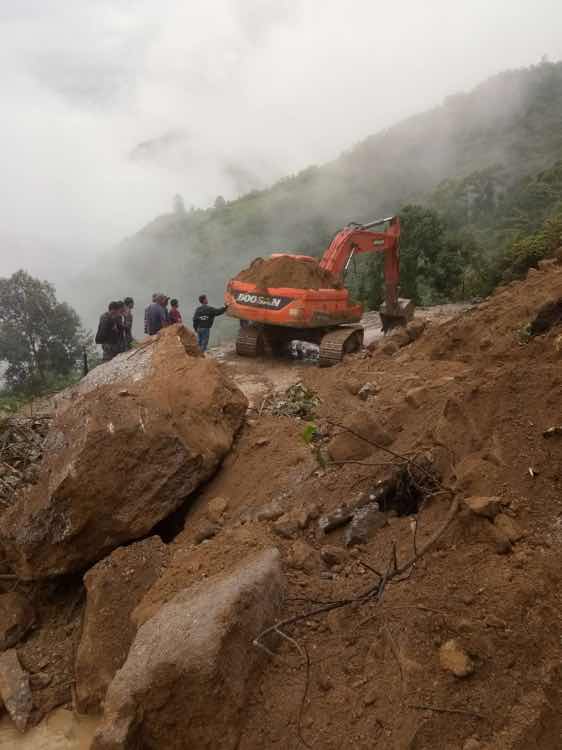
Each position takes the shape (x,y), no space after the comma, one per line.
(472,179)
(41,339)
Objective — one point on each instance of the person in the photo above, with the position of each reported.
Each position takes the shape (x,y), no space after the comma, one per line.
(156,315)
(111,332)
(129,303)
(165,300)
(203,320)
(175,314)
(155,296)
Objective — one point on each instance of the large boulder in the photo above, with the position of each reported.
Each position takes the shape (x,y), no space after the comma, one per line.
(140,434)
(115,586)
(191,665)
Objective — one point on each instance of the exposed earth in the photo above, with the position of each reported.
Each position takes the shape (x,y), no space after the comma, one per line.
(414,493)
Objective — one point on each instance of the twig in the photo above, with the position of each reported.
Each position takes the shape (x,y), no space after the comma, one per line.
(304,653)
(362,463)
(402,458)
(395,651)
(365,565)
(442,710)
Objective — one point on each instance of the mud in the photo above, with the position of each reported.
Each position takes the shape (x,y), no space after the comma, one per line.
(62,730)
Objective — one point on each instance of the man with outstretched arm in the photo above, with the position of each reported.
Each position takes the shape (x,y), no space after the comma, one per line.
(111,331)
(203,320)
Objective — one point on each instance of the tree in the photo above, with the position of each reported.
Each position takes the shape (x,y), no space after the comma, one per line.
(39,336)
(219,202)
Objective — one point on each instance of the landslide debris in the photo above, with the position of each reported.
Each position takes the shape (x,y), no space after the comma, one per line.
(114,587)
(463,649)
(140,434)
(187,677)
(21,450)
(285,271)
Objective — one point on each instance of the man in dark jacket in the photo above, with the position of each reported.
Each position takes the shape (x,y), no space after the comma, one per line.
(203,320)
(129,303)
(156,317)
(111,331)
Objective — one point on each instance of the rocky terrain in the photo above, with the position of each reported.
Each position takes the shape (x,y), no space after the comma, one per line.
(361,557)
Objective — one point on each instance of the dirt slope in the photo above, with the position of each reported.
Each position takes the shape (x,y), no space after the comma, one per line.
(475,395)
(478,394)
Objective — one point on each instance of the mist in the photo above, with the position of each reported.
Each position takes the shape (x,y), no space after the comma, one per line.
(111,108)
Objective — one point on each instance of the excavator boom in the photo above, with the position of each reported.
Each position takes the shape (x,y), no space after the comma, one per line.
(360,238)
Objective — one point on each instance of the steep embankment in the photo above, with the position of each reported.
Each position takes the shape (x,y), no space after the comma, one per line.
(511,121)
(429,620)
(477,395)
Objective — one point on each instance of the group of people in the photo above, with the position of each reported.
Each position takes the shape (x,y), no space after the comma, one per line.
(115,330)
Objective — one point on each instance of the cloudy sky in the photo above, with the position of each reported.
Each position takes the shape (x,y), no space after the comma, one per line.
(110,107)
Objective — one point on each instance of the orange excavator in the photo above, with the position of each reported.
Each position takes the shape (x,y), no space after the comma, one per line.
(272,318)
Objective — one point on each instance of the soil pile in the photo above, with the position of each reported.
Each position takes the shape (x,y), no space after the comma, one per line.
(285,271)
(140,435)
(474,396)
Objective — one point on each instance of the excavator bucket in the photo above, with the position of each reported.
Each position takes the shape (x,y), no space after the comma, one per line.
(396,315)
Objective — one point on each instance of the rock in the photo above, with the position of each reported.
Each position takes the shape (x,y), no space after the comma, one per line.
(192,665)
(501,542)
(40,680)
(548,315)
(415,397)
(353,386)
(205,530)
(334,520)
(14,689)
(113,467)
(415,328)
(270,512)
(363,525)
(346,446)
(290,524)
(17,617)
(333,555)
(216,508)
(324,682)
(483,506)
(453,658)
(302,557)
(389,348)
(114,587)
(508,527)
(400,337)
(368,390)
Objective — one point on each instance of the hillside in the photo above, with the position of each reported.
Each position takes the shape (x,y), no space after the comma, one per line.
(509,124)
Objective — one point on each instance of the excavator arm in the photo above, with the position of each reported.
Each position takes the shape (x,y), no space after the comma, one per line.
(360,238)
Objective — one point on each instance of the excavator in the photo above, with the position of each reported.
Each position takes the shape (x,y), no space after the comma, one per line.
(326,317)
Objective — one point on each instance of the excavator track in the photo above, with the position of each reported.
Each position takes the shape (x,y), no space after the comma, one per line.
(336,343)
(250,341)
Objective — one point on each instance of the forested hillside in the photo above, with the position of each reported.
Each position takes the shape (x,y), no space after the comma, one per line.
(469,178)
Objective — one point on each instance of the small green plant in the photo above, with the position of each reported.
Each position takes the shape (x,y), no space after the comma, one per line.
(309,433)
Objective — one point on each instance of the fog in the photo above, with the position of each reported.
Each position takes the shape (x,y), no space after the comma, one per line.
(110,108)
